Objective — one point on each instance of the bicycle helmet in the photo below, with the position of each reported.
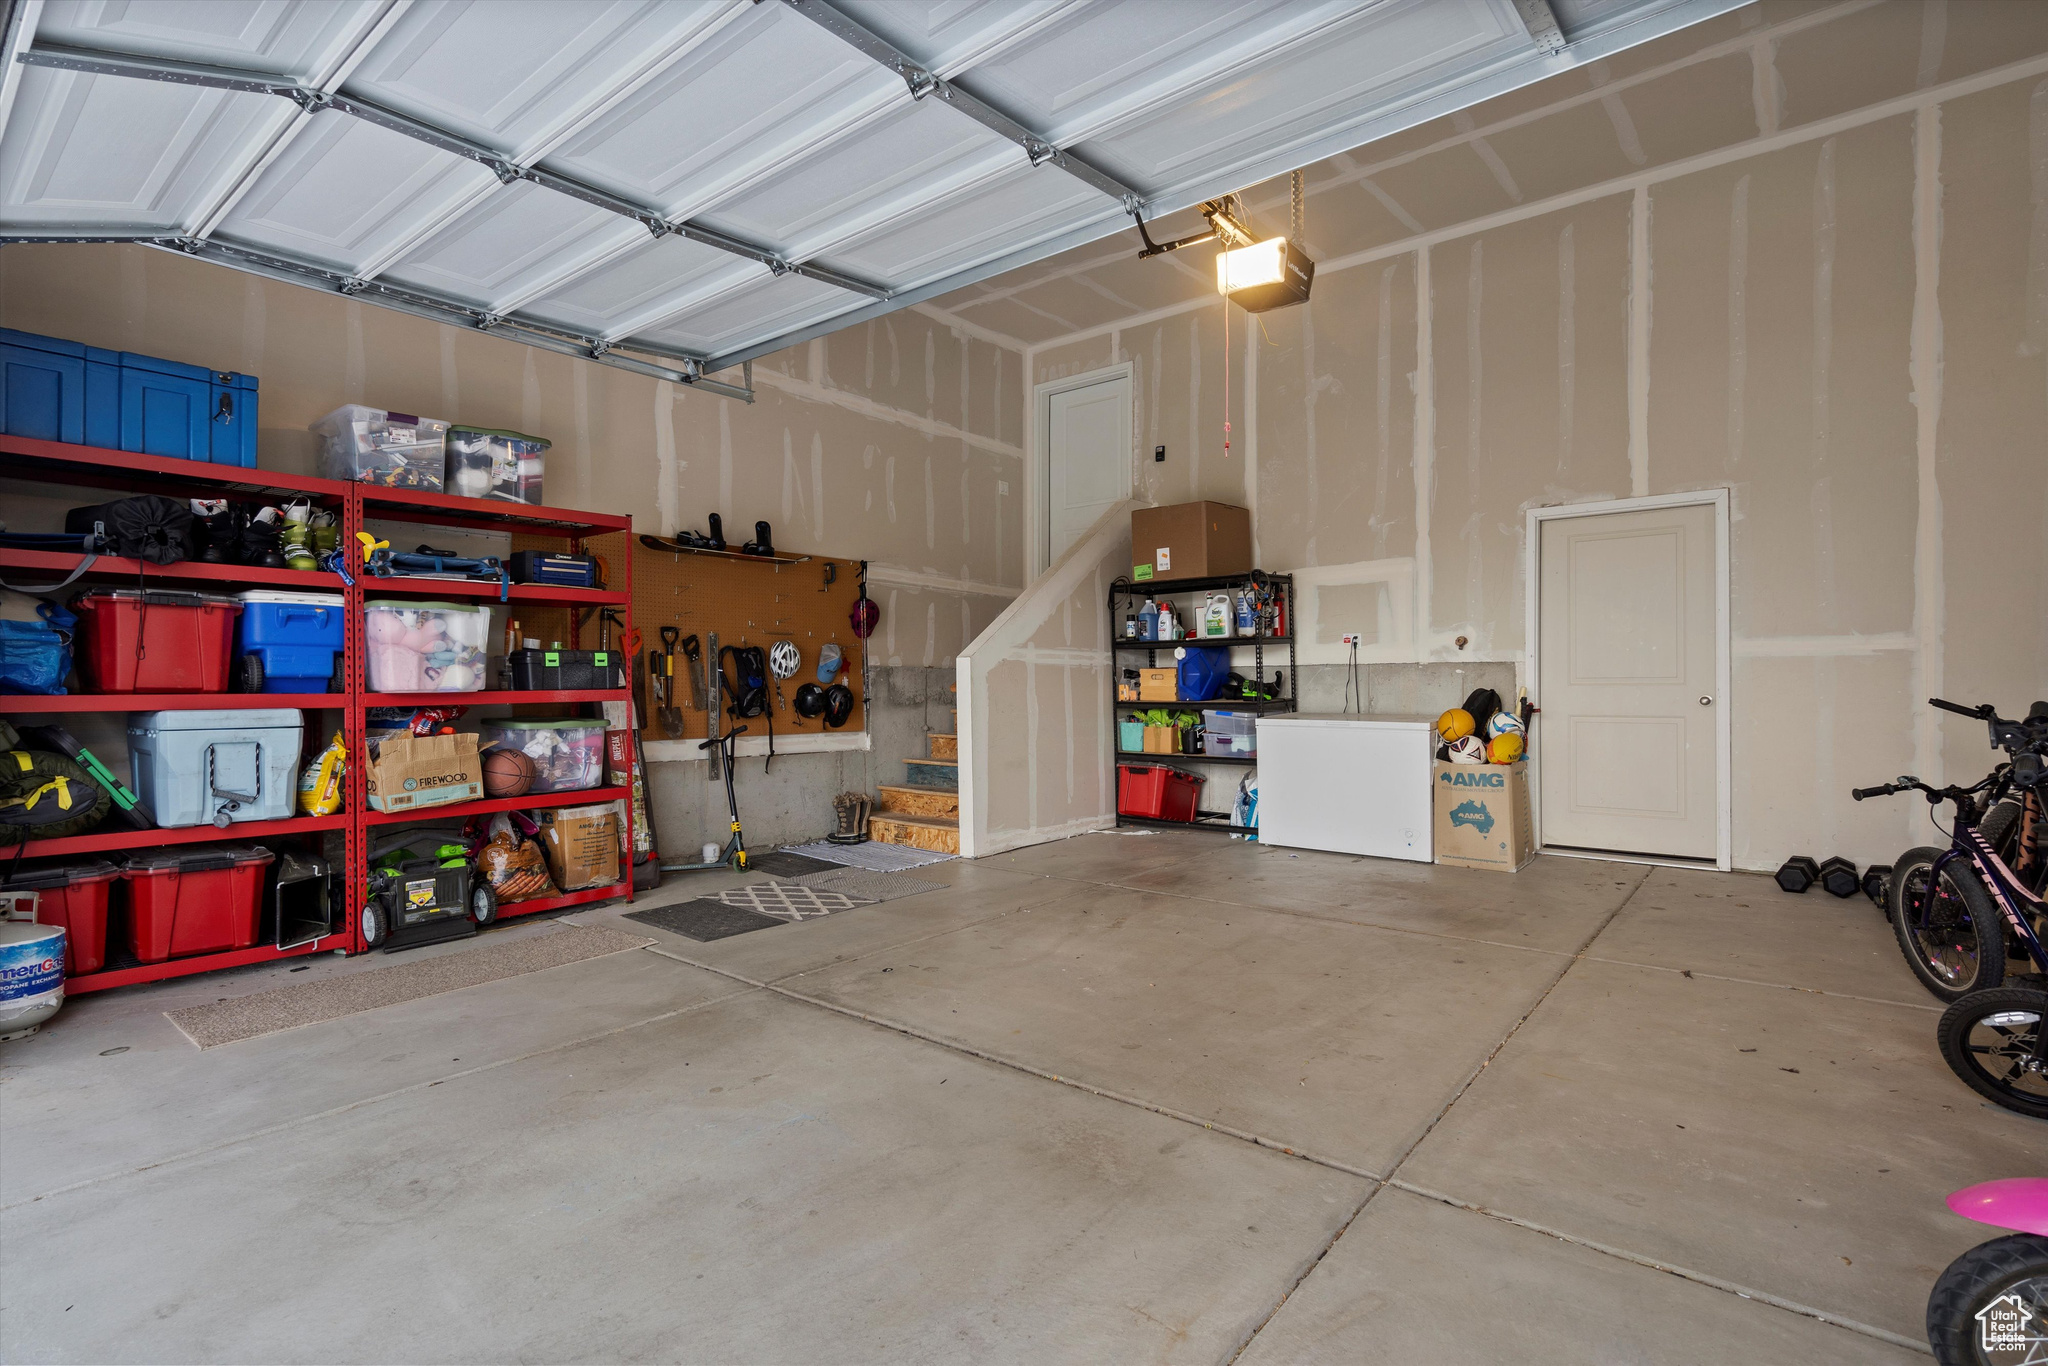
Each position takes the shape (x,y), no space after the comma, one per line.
(810,700)
(783,659)
(838,705)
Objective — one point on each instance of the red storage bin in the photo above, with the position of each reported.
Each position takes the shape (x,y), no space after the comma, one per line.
(195,901)
(184,640)
(73,895)
(1154,790)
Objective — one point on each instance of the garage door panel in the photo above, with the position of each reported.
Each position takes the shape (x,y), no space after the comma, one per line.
(345,192)
(516,235)
(302,41)
(1027,205)
(764,308)
(82,149)
(510,74)
(604,299)
(757,92)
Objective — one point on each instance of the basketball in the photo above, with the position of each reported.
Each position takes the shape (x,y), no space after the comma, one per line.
(1454,724)
(507,773)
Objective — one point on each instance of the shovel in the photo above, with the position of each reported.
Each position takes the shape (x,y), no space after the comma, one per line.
(671,715)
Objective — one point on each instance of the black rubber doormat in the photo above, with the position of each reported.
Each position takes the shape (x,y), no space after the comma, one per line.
(704,920)
(782,863)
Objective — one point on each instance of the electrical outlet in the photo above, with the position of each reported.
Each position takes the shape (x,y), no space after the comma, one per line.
(1159,455)
(1350,638)
(1002,486)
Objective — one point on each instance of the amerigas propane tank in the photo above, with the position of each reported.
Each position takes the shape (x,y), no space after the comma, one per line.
(31,976)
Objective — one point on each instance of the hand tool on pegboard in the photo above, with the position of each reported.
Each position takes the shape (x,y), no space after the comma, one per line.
(711,726)
(693,657)
(671,715)
(630,647)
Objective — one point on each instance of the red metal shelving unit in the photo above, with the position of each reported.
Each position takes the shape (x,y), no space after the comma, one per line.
(58,463)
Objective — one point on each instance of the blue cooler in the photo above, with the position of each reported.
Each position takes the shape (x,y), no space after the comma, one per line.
(186,411)
(293,636)
(56,390)
(224,766)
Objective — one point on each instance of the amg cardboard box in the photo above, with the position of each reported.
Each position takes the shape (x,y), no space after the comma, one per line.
(1482,815)
(410,772)
(581,844)
(1190,541)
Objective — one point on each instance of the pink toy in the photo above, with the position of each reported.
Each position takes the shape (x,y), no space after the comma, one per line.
(385,628)
(2018,1202)
(393,668)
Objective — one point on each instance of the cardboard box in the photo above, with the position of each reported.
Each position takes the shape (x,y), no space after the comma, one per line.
(1190,541)
(581,845)
(1482,815)
(1162,739)
(412,772)
(1159,685)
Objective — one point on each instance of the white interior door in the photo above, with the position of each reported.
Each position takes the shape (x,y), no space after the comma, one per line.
(1089,457)
(1628,675)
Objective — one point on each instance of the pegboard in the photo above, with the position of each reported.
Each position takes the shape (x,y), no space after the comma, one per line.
(745,601)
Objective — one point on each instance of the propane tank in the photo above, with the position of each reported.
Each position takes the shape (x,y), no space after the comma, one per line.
(31,976)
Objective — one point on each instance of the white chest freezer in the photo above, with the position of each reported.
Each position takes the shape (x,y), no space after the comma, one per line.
(1347,783)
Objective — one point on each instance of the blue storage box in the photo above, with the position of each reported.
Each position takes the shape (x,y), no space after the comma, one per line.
(1202,671)
(294,636)
(184,411)
(56,390)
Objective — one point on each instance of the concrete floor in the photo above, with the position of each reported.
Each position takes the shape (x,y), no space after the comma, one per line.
(1124,1097)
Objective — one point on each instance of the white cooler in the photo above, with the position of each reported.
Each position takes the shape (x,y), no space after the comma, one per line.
(1347,783)
(216,766)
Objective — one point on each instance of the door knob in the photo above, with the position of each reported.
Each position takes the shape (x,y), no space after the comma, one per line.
(1706,701)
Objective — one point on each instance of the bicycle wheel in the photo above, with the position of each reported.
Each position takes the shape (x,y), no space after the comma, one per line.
(1956,944)
(1989,1039)
(2000,829)
(2016,1265)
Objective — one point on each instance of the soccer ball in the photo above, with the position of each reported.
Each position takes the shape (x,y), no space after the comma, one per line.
(1504,722)
(1468,749)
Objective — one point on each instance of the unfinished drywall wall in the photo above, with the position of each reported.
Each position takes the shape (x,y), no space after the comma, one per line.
(1796,253)
(1037,738)
(899,442)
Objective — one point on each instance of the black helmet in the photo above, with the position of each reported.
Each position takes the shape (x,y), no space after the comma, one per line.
(838,705)
(810,700)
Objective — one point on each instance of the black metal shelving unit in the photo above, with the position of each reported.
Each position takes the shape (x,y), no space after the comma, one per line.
(1124,595)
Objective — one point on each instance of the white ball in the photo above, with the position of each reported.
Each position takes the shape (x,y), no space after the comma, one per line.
(1504,723)
(1469,749)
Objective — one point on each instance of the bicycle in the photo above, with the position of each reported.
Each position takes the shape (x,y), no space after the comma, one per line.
(1953,908)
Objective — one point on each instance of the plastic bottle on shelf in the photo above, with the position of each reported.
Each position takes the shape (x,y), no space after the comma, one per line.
(1169,624)
(1148,621)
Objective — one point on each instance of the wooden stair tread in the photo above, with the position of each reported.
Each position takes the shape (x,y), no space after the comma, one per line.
(908,818)
(937,763)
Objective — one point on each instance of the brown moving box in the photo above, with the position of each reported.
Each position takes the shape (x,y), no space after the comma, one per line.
(1159,685)
(1162,739)
(411,772)
(581,844)
(1482,815)
(1190,541)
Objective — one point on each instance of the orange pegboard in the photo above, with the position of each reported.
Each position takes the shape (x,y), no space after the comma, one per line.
(747,601)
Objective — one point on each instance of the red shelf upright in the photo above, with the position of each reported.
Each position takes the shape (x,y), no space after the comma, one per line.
(60,463)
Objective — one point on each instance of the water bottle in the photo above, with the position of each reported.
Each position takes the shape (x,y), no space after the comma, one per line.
(1148,621)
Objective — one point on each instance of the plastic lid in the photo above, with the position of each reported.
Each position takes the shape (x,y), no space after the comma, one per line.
(217,718)
(394,605)
(286,595)
(198,860)
(546,723)
(501,433)
(164,597)
(65,875)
